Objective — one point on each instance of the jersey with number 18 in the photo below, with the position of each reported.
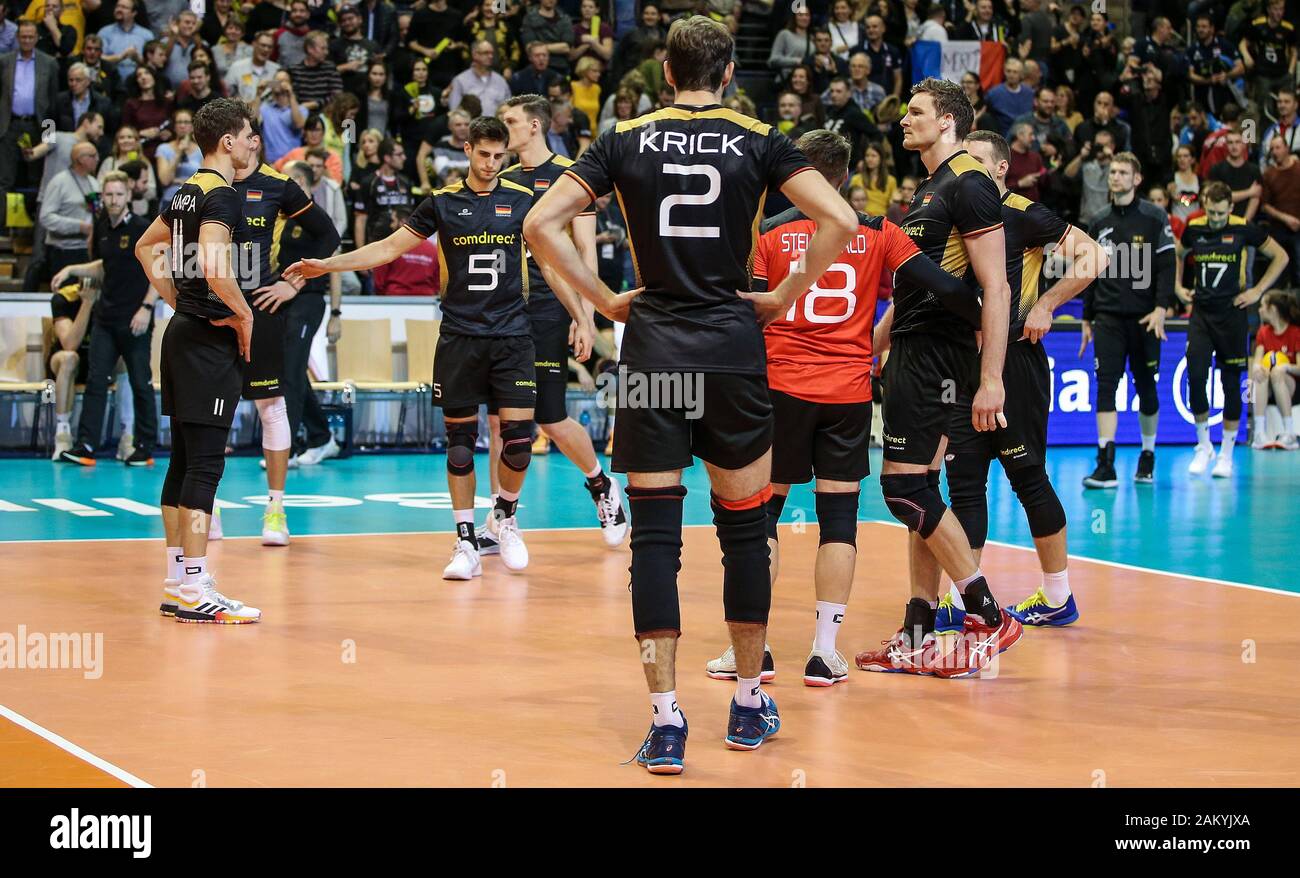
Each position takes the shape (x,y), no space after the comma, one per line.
(691,182)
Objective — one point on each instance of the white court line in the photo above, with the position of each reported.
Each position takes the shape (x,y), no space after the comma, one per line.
(1116,564)
(64,744)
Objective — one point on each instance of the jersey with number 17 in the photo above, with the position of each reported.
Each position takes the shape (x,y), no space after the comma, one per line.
(691,182)
(820,350)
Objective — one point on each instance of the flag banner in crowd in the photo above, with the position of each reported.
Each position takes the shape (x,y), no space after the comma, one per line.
(952,59)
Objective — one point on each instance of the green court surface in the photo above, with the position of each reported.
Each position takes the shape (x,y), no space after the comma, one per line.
(1240,530)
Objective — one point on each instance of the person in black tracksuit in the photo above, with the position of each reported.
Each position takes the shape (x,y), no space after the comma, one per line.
(1124,313)
(303,315)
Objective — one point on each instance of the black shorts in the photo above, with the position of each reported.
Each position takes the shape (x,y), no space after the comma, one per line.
(1027,379)
(825,440)
(1223,333)
(551,362)
(262,376)
(665,419)
(469,370)
(925,375)
(202,371)
(1117,338)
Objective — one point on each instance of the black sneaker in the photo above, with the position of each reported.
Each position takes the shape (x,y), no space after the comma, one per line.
(139,457)
(80,454)
(1104,475)
(1146,471)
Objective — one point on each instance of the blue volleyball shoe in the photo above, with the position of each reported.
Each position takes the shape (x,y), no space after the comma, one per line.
(1035,610)
(947,618)
(664,749)
(749,727)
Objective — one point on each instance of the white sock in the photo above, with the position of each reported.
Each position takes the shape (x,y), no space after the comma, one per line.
(1149,442)
(175,557)
(508,496)
(1261,425)
(277,497)
(829,618)
(959,585)
(1103,441)
(1057,587)
(463,516)
(594,473)
(64,423)
(194,569)
(1202,432)
(747,692)
(1229,442)
(663,706)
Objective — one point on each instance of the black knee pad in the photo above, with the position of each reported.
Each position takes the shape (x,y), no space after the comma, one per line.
(774,506)
(461,438)
(1107,385)
(1042,507)
(517,444)
(913,501)
(1198,372)
(1145,382)
(746,558)
(171,489)
(837,518)
(656,542)
(1230,377)
(968,476)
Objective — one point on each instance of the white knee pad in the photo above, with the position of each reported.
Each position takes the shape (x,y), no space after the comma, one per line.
(275,424)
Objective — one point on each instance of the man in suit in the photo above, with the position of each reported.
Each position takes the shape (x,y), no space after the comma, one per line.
(29,92)
(104,77)
(81,98)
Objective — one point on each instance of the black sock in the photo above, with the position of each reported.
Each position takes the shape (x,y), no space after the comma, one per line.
(465,531)
(980,602)
(598,486)
(505,508)
(918,621)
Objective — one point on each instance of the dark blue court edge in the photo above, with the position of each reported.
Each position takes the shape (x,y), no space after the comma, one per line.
(492,827)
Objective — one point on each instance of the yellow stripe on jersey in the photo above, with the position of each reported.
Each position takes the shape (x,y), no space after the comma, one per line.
(954,260)
(1031,264)
(206,181)
(1018,202)
(680,115)
(276,233)
(264,168)
(562,161)
(448,190)
(1198,221)
(636,266)
(523,264)
(965,163)
(515,186)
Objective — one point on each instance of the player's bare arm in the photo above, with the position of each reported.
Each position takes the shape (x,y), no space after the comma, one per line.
(544,232)
(214,260)
(836,225)
(369,256)
(1085,259)
(583,229)
(152,252)
(1278,260)
(987,252)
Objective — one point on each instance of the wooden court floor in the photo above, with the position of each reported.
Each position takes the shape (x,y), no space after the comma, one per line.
(369,670)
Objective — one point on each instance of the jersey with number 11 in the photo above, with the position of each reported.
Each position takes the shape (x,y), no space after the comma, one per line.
(481,255)
(691,182)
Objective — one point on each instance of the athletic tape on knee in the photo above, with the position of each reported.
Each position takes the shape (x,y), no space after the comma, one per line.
(913,501)
(656,540)
(1042,507)
(837,518)
(746,558)
(968,476)
(461,438)
(275,424)
(775,504)
(517,444)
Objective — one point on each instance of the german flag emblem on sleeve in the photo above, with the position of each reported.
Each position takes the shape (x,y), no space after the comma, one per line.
(503,210)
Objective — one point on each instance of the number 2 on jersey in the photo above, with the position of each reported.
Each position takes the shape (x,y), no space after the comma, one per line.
(666,228)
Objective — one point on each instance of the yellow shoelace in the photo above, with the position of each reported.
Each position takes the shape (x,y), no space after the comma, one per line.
(1037,599)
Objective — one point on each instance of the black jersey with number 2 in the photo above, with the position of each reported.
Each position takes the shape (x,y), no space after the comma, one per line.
(205,197)
(1029,227)
(1219,257)
(481,254)
(691,182)
(959,200)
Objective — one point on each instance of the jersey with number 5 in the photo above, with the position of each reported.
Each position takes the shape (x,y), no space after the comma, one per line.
(691,182)
(481,256)
(820,350)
